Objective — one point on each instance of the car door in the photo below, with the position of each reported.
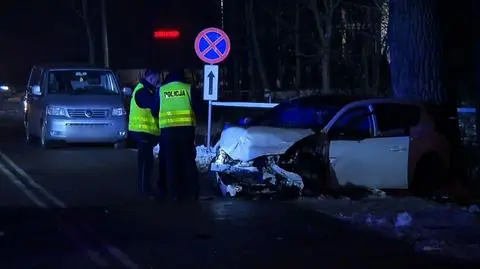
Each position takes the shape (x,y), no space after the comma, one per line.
(350,155)
(35,103)
(360,157)
(394,122)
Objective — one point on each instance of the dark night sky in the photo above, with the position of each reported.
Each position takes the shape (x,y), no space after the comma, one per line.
(36,31)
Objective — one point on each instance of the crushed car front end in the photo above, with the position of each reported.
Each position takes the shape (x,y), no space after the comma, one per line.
(263,160)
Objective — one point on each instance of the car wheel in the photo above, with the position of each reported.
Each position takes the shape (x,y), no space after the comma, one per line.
(28,135)
(430,175)
(44,142)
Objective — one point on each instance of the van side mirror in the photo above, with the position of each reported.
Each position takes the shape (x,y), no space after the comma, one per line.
(36,90)
(127,91)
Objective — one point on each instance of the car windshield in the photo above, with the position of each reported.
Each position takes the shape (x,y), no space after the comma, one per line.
(82,82)
(297,115)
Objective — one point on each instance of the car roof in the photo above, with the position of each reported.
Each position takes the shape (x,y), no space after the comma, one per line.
(343,100)
(318,99)
(75,66)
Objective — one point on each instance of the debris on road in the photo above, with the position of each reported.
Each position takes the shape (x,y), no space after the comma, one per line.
(235,177)
(203,159)
(428,226)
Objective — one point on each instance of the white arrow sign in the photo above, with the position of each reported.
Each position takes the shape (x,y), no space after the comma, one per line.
(210,82)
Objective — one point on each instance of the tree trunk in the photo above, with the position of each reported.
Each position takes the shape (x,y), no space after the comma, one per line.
(88,31)
(415,49)
(235,74)
(326,71)
(256,50)
(279,82)
(376,58)
(417,69)
(476,50)
(366,67)
(324,30)
(298,60)
(250,67)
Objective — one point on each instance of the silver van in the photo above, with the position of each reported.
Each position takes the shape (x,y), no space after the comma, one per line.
(75,105)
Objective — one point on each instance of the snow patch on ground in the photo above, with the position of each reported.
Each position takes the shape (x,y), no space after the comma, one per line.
(203,159)
(430,227)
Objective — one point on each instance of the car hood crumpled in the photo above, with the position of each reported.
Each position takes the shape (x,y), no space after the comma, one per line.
(245,144)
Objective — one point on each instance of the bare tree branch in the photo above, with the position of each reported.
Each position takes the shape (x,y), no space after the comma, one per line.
(318,20)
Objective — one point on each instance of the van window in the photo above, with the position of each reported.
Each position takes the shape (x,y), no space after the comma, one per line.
(82,82)
(35,76)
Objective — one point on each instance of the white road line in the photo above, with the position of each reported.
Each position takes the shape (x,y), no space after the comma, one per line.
(114,251)
(15,181)
(97,258)
(32,182)
(122,257)
(91,254)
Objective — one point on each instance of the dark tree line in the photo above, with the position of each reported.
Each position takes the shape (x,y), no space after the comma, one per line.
(341,46)
(327,45)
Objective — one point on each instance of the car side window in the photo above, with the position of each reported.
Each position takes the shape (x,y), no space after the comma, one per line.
(354,124)
(396,119)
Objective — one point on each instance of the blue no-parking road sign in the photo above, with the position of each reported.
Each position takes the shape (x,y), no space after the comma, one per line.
(212,45)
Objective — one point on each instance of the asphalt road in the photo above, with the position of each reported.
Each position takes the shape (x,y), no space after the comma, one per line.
(77,207)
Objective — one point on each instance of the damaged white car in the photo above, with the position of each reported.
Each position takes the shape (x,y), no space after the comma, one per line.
(321,142)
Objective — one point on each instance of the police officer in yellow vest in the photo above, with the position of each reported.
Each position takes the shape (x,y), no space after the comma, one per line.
(144,128)
(178,105)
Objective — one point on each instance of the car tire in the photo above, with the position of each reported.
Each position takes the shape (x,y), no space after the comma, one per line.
(120,145)
(429,177)
(44,142)
(28,136)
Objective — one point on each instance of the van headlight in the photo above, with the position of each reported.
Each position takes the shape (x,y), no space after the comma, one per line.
(119,111)
(56,111)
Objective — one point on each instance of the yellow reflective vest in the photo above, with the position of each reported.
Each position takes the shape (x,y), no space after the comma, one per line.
(141,119)
(175,105)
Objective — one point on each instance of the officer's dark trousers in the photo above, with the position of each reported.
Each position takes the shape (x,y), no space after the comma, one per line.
(178,150)
(162,178)
(145,145)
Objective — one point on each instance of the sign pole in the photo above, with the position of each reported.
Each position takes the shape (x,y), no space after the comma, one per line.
(209,125)
(212,46)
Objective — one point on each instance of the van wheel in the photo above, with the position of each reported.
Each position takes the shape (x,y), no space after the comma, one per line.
(28,136)
(44,142)
(429,176)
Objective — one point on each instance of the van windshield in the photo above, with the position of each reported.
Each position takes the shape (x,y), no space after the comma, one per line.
(82,82)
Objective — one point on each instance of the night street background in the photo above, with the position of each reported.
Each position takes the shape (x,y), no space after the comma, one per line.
(78,206)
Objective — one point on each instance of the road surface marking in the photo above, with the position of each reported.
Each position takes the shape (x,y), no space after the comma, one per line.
(32,182)
(15,181)
(93,255)
(122,257)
